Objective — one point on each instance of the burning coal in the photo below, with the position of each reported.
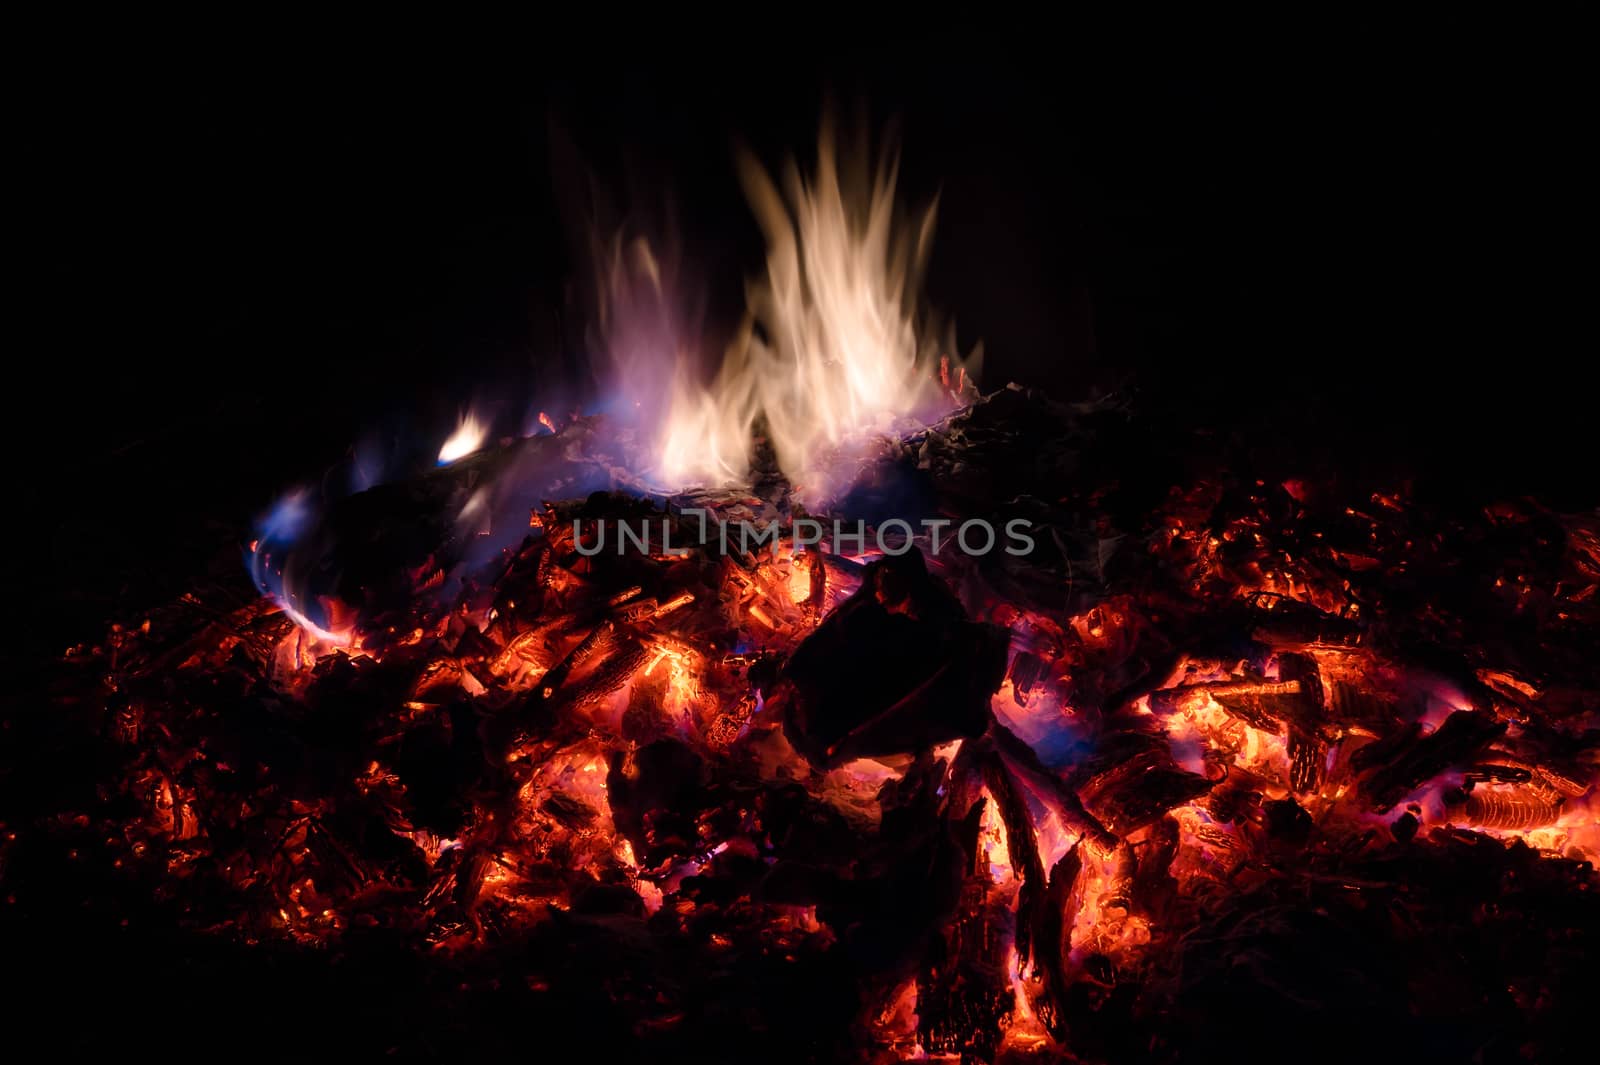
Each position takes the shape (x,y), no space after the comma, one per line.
(1154,789)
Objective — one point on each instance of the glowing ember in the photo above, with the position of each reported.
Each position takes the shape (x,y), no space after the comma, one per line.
(629,734)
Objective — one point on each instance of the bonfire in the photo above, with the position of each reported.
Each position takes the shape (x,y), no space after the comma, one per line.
(826,707)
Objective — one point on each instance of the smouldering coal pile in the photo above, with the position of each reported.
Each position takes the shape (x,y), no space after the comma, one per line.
(1222,766)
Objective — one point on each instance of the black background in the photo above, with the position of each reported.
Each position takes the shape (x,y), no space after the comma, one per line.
(1362,245)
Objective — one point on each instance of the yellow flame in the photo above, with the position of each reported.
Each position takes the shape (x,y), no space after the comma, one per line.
(838,353)
(467,438)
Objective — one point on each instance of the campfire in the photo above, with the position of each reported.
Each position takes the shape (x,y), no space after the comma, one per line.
(827,709)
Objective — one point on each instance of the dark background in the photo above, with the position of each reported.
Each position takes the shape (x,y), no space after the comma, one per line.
(1358,245)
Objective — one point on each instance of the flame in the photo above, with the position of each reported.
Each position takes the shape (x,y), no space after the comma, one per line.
(468,437)
(272,566)
(682,666)
(839,353)
(800,579)
(993,842)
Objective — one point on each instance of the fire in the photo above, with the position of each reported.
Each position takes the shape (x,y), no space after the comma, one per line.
(992,841)
(273,568)
(1036,800)
(469,436)
(680,666)
(843,350)
(800,577)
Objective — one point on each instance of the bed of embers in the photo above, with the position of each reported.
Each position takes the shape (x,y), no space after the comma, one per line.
(1227,766)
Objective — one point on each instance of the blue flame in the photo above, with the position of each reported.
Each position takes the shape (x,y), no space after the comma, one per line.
(284,526)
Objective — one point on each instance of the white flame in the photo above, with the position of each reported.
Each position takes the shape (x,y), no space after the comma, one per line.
(839,353)
(467,438)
